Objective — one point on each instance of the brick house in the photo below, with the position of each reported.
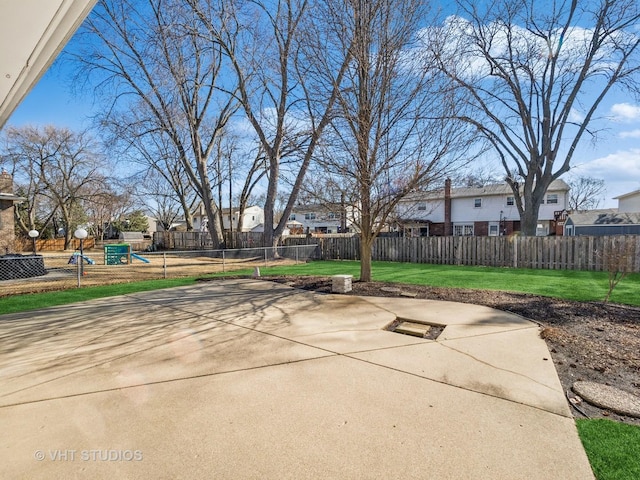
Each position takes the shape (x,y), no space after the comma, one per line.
(489,210)
(7,207)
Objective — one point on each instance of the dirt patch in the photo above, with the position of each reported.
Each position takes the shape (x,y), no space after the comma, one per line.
(61,275)
(588,341)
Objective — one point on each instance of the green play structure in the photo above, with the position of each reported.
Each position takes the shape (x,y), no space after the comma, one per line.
(117,254)
(120,254)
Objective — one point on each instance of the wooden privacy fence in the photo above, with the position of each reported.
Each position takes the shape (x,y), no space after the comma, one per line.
(552,253)
(202,240)
(53,244)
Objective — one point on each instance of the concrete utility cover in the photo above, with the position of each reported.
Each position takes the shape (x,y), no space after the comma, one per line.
(611,398)
(411,328)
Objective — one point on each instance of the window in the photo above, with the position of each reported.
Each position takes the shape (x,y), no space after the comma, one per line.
(309,216)
(552,198)
(292,217)
(477,203)
(422,206)
(463,230)
(493,230)
(511,201)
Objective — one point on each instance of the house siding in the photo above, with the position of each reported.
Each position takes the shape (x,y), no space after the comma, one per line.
(481,207)
(629,203)
(600,230)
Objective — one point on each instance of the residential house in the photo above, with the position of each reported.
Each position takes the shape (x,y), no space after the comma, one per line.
(7,206)
(321,218)
(624,220)
(629,202)
(487,210)
(251,218)
(602,222)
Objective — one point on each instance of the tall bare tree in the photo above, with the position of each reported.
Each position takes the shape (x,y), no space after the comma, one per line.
(158,196)
(273,65)
(63,164)
(585,193)
(105,206)
(133,140)
(391,133)
(149,55)
(537,72)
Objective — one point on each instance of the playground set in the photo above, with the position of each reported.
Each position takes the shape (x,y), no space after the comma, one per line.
(114,254)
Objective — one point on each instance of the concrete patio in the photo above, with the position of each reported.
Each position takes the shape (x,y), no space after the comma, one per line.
(245,379)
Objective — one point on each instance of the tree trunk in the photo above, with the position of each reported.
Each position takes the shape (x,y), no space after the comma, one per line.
(533,196)
(188,217)
(366,233)
(213,219)
(529,219)
(366,244)
(270,201)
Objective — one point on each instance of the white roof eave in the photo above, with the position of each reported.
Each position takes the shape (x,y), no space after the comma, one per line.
(32,34)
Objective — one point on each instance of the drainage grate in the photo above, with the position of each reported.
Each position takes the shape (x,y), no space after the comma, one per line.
(415,328)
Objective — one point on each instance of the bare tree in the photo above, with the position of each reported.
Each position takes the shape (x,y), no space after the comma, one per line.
(585,192)
(106,205)
(272,62)
(65,167)
(149,56)
(391,134)
(618,258)
(253,175)
(162,175)
(537,73)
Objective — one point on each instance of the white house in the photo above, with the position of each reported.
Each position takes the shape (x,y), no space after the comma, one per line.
(629,202)
(251,218)
(487,210)
(321,218)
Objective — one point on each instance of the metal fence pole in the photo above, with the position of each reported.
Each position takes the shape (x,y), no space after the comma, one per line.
(297,250)
(164,265)
(223,265)
(265,256)
(78,267)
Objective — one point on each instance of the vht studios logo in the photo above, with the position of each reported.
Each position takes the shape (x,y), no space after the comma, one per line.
(89,455)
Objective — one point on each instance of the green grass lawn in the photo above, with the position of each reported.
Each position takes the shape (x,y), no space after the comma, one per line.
(613,448)
(567,284)
(34,301)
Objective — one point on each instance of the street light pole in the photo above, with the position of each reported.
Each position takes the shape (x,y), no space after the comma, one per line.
(81,234)
(33,234)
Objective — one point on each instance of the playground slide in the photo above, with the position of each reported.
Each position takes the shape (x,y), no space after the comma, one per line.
(73,259)
(138,257)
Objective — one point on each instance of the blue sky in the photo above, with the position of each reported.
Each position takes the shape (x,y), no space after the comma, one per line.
(614,157)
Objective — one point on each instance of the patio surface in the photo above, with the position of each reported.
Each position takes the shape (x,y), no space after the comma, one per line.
(244,379)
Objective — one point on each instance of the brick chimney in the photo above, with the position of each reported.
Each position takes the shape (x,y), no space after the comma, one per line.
(448,226)
(7,232)
(6,182)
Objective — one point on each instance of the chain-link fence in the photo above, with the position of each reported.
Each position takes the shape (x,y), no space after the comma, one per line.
(118,264)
